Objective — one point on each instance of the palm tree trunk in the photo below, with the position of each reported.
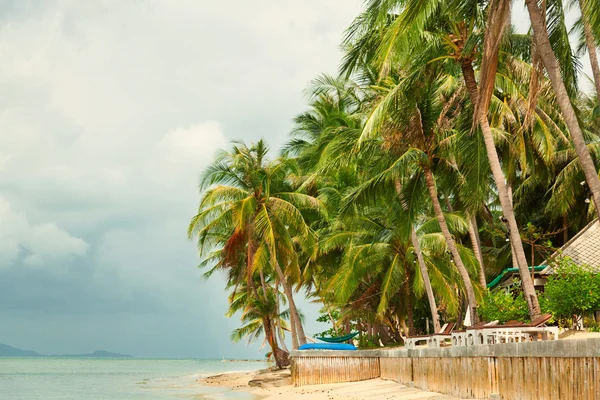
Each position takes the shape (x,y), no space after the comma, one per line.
(423,269)
(264,291)
(542,41)
(513,254)
(292,305)
(591,46)
(464,274)
(279,355)
(278,320)
(333,324)
(293,332)
(263,283)
(476,244)
(426,281)
(505,200)
(405,329)
(410,314)
(461,306)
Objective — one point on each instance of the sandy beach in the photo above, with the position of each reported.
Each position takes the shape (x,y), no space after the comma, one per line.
(277,385)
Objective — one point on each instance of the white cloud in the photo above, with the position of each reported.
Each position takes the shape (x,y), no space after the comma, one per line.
(38,244)
(194,144)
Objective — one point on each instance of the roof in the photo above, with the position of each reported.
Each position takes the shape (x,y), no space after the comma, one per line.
(583,248)
(511,270)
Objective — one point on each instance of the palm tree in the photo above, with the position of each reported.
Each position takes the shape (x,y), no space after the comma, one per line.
(590,41)
(431,30)
(334,123)
(547,55)
(249,200)
(414,117)
(260,315)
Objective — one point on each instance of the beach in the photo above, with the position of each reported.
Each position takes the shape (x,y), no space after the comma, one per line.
(277,385)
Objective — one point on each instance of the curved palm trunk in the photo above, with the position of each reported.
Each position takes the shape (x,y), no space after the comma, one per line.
(464,274)
(423,269)
(292,305)
(278,320)
(476,244)
(591,47)
(426,281)
(542,42)
(505,201)
(263,284)
(280,356)
(513,254)
(293,332)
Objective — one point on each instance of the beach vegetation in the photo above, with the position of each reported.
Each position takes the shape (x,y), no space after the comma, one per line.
(572,292)
(447,148)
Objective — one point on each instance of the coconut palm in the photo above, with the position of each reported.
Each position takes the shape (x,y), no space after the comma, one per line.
(551,64)
(249,201)
(258,314)
(441,31)
(413,115)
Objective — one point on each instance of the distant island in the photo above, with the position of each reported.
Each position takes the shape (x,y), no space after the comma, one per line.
(9,351)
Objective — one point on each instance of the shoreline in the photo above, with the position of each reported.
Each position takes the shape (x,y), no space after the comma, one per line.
(266,384)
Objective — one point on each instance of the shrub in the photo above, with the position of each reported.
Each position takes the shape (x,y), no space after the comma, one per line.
(572,291)
(503,306)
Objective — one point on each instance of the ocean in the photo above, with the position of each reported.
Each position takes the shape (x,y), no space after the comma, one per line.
(115,379)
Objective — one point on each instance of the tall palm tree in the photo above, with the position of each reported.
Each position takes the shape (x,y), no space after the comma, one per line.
(259,315)
(586,7)
(335,122)
(414,116)
(548,57)
(435,30)
(250,199)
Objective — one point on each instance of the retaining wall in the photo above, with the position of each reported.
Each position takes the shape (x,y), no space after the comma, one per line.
(561,369)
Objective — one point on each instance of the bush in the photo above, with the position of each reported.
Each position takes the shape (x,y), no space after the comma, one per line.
(572,291)
(503,306)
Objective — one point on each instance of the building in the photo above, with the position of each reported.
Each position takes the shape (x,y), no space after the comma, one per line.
(583,249)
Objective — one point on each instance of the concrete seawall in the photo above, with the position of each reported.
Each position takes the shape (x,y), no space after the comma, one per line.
(562,369)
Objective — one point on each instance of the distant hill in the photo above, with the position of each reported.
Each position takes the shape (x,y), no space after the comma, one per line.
(96,354)
(9,351)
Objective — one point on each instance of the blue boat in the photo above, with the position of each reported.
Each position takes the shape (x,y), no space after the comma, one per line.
(327,346)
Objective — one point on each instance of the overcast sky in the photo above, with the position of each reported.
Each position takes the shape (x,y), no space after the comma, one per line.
(109,111)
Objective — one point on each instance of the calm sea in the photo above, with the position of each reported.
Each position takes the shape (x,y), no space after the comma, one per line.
(112,379)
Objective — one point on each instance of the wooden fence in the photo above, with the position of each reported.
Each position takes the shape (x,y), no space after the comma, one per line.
(567,369)
(320,370)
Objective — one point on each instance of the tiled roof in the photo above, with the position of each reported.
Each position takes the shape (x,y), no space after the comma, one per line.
(583,248)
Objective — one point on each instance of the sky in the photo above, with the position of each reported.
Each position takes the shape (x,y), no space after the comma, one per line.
(110,110)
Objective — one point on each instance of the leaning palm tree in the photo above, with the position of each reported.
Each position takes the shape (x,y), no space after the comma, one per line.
(250,199)
(259,315)
(410,32)
(378,252)
(551,64)
(587,38)
(415,117)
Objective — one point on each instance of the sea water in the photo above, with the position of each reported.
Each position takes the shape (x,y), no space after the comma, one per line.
(115,379)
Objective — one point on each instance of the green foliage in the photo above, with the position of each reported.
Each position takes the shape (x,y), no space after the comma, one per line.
(325,316)
(591,325)
(345,213)
(503,306)
(367,342)
(572,290)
